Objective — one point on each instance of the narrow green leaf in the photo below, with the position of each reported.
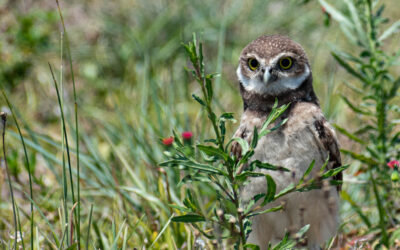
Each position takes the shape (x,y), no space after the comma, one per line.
(271,189)
(350,34)
(395,139)
(355,108)
(361,34)
(308,171)
(269,210)
(190,164)
(303,230)
(199,100)
(345,55)
(275,113)
(278,125)
(394,28)
(253,201)
(251,246)
(395,87)
(348,68)
(348,134)
(254,141)
(188,218)
(209,89)
(245,157)
(212,151)
(162,231)
(335,14)
(177,139)
(190,201)
(180,208)
(290,188)
(201,64)
(245,174)
(323,167)
(359,157)
(352,87)
(227,116)
(116,237)
(268,166)
(335,171)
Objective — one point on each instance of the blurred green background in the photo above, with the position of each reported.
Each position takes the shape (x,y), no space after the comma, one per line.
(132,90)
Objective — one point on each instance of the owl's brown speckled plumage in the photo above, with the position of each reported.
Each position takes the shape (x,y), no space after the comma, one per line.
(306,136)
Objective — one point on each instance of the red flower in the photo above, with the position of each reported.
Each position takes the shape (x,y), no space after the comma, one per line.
(168,141)
(392,164)
(187,135)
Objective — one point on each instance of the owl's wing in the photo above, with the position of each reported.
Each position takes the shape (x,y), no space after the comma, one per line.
(327,138)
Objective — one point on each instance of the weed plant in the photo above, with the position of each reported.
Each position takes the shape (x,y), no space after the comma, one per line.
(376,105)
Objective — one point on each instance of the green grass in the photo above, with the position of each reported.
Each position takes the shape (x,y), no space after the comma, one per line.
(123,89)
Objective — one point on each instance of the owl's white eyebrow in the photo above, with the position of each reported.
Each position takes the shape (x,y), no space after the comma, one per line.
(275,59)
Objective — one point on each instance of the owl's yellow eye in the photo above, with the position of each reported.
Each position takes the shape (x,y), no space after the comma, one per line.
(285,63)
(253,64)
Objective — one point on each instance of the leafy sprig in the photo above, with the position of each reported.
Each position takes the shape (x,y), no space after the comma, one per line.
(377,88)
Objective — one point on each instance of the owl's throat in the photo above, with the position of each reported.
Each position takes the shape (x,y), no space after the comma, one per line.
(263,103)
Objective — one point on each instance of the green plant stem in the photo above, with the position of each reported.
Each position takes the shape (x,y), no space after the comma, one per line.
(28,166)
(66,138)
(381,211)
(90,224)
(4,120)
(76,125)
(381,112)
(211,116)
(370,27)
(20,228)
(240,218)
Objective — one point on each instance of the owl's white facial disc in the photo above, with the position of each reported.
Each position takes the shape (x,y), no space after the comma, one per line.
(268,80)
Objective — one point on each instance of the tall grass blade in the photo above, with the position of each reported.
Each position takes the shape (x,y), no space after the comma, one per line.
(28,167)
(3,122)
(76,121)
(90,224)
(66,136)
(162,230)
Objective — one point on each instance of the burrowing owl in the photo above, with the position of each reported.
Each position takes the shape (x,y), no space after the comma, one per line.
(275,67)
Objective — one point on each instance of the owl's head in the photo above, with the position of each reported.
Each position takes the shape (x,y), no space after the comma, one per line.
(273,66)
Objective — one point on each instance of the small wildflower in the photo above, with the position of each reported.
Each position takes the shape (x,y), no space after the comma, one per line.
(187,135)
(168,141)
(393,164)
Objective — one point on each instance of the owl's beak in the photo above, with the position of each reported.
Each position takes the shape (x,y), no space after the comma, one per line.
(266,75)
